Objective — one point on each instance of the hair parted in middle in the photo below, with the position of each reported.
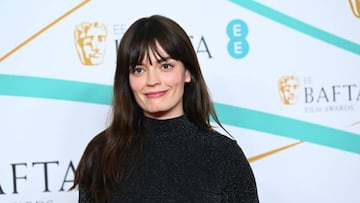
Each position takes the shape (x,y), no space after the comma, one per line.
(141,39)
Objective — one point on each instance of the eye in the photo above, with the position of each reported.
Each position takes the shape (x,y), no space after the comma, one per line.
(167,66)
(101,38)
(137,70)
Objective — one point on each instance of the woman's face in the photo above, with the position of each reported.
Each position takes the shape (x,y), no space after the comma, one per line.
(158,85)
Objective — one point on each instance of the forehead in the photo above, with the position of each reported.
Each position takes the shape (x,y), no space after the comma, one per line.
(96,31)
(154,54)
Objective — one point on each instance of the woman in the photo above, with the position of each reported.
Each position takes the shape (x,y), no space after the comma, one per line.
(160,146)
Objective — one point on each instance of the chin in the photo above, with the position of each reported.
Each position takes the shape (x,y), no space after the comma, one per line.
(157,114)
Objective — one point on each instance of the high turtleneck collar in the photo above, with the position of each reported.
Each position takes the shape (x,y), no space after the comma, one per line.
(167,127)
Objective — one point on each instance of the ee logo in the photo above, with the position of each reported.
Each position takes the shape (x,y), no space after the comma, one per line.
(237,31)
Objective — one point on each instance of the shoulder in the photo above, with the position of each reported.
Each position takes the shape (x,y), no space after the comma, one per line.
(217,138)
(96,144)
(223,145)
(93,152)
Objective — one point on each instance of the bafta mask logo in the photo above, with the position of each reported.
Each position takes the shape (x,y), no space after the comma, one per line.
(288,88)
(90,42)
(355,7)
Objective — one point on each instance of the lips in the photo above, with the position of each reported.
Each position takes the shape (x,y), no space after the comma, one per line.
(156,94)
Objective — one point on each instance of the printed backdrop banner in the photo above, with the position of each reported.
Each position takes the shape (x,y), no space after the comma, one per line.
(284,76)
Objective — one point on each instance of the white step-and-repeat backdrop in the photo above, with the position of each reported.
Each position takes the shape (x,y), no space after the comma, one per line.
(284,75)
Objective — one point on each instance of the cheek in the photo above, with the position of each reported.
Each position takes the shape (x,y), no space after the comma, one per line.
(134,84)
(101,45)
(174,79)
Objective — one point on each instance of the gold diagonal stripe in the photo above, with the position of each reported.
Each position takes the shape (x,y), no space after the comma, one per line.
(43,30)
(263,155)
(274,151)
(353,124)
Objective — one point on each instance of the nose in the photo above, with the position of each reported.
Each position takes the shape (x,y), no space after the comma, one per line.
(95,44)
(153,78)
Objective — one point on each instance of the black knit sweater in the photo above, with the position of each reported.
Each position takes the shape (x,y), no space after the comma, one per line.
(181,163)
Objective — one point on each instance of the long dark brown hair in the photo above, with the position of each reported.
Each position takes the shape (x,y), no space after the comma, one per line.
(100,169)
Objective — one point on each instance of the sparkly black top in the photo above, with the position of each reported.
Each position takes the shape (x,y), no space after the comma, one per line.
(182,163)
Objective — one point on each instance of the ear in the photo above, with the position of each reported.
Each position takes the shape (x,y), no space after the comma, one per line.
(187,76)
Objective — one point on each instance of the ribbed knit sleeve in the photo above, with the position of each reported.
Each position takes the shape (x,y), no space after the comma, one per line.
(240,185)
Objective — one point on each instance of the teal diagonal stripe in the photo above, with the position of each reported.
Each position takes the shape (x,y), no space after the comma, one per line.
(299,25)
(288,127)
(23,86)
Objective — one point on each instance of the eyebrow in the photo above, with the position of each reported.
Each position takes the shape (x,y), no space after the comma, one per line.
(159,60)
(162,59)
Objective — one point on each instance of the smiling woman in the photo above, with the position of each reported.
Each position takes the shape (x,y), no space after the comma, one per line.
(158,84)
(160,146)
